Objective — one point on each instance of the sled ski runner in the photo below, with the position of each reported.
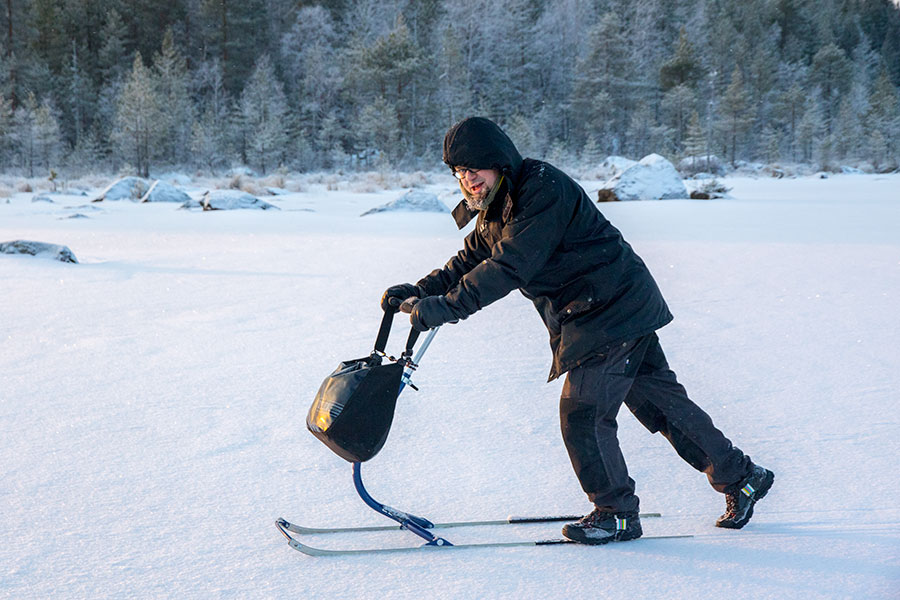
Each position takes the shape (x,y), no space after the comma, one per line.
(444,525)
(313,551)
(341,415)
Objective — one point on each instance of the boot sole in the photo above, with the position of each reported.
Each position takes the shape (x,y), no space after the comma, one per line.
(600,541)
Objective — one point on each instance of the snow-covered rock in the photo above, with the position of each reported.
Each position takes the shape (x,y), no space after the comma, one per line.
(228,200)
(127,188)
(653,178)
(411,201)
(39,249)
(42,198)
(161,191)
(613,165)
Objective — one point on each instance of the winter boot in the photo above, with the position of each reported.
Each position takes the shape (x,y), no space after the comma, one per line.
(739,504)
(601,527)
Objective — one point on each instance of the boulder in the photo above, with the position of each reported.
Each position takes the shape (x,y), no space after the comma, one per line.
(653,178)
(411,201)
(127,188)
(606,196)
(613,165)
(228,200)
(39,249)
(161,191)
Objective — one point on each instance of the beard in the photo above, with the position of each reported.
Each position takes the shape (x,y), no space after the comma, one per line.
(483,198)
(476,201)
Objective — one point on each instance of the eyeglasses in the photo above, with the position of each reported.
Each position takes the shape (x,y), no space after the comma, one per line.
(461,172)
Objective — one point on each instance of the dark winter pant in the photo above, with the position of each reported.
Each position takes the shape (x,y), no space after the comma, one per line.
(637,374)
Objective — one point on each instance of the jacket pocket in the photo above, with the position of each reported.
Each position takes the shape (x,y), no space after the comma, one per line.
(576,308)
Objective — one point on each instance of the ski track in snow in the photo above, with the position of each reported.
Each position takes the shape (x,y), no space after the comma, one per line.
(153,402)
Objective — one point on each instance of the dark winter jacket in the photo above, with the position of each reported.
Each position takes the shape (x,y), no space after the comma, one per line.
(544,236)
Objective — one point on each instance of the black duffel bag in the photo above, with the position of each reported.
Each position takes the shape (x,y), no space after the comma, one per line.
(354,407)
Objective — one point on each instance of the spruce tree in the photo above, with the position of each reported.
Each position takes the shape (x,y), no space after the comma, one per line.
(138,123)
(831,72)
(378,129)
(173,90)
(265,117)
(47,138)
(883,124)
(695,143)
(734,113)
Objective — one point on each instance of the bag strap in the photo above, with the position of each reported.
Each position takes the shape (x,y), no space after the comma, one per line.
(385,329)
(411,341)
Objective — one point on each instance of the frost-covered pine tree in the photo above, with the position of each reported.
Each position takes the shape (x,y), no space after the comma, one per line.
(47,136)
(312,68)
(210,131)
(789,107)
(138,126)
(810,132)
(378,130)
(521,130)
(330,141)
(6,124)
(455,95)
(734,107)
(265,117)
(770,144)
(677,105)
(111,58)
(831,73)
(384,74)
(173,89)
(883,124)
(601,93)
(79,99)
(695,144)
(36,134)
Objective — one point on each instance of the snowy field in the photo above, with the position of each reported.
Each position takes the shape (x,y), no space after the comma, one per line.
(153,402)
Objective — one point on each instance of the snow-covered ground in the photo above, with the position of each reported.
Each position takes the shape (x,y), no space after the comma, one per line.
(153,402)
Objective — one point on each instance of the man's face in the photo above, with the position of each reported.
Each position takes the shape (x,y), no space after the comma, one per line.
(477,182)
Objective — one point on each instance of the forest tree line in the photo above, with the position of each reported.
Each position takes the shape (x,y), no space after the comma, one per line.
(207,84)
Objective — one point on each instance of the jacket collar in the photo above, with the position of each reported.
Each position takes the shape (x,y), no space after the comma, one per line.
(462,215)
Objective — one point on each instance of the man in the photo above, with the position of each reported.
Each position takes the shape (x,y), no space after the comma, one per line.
(537,231)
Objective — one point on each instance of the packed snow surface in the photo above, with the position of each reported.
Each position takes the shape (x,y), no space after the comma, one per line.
(153,397)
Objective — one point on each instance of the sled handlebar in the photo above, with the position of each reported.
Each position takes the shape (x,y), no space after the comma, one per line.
(404,306)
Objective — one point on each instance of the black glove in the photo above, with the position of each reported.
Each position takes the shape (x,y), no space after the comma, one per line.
(432,312)
(401,292)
